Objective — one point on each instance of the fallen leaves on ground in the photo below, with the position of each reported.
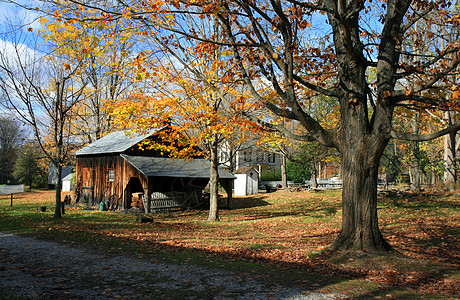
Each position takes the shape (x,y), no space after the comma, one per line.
(285,229)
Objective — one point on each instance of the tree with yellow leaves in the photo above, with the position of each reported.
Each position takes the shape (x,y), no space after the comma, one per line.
(104,67)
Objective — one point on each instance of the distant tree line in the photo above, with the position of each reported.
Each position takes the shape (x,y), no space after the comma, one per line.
(21,161)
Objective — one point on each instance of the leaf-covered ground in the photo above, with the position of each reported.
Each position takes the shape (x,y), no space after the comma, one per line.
(283,229)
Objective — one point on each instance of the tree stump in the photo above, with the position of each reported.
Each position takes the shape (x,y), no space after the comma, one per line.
(144,219)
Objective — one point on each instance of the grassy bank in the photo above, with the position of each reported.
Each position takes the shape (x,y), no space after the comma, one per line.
(275,235)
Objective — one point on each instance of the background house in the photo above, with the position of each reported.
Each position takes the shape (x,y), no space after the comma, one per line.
(251,156)
(115,167)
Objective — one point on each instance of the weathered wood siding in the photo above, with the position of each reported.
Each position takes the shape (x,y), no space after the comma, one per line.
(93,174)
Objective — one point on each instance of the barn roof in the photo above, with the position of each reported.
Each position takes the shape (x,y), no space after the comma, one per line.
(115,142)
(167,167)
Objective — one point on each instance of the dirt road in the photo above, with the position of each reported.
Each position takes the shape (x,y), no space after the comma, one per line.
(38,269)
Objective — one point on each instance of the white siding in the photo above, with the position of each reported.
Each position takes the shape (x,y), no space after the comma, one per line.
(240,184)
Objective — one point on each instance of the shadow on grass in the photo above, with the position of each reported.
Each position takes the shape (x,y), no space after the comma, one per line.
(249,202)
(316,274)
(312,209)
(431,240)
(418,202)
(391,293)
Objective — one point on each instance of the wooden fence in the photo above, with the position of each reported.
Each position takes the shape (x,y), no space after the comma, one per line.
(166,201)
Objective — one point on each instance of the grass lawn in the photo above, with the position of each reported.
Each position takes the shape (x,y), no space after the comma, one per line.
(276,235)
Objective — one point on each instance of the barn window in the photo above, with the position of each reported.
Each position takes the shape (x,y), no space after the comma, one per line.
(111,175)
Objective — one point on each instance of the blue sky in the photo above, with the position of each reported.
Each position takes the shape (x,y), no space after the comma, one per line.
(13,13)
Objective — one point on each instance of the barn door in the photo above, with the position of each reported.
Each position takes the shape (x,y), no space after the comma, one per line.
(87,185)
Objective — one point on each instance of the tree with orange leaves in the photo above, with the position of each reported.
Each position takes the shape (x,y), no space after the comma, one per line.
(200,117)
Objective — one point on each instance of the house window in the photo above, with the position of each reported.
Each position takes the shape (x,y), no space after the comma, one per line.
(111,175)
(271,157)
(247,156)
(223,156)
(260,156)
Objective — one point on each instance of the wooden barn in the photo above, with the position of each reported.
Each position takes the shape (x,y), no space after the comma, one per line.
(116,170)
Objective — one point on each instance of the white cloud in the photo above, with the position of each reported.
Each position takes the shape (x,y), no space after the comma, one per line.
(15,39)
(11,51)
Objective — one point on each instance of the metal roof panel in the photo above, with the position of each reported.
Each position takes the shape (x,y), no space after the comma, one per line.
(115,142)
(169,167)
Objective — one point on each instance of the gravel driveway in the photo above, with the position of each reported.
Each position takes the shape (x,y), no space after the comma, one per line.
(38,269)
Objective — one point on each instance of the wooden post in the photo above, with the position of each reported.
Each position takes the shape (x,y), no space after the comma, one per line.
(11,189)
(227,184)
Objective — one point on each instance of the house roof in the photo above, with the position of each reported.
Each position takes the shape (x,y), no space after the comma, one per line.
(168,167)
(115,142)
(68,177)
(52,173)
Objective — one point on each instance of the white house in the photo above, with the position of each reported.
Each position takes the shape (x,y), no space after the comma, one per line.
(260,159)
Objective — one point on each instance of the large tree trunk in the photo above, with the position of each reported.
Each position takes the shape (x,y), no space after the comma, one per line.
(362,143)
(362,140)
(214,184)
(360,230)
